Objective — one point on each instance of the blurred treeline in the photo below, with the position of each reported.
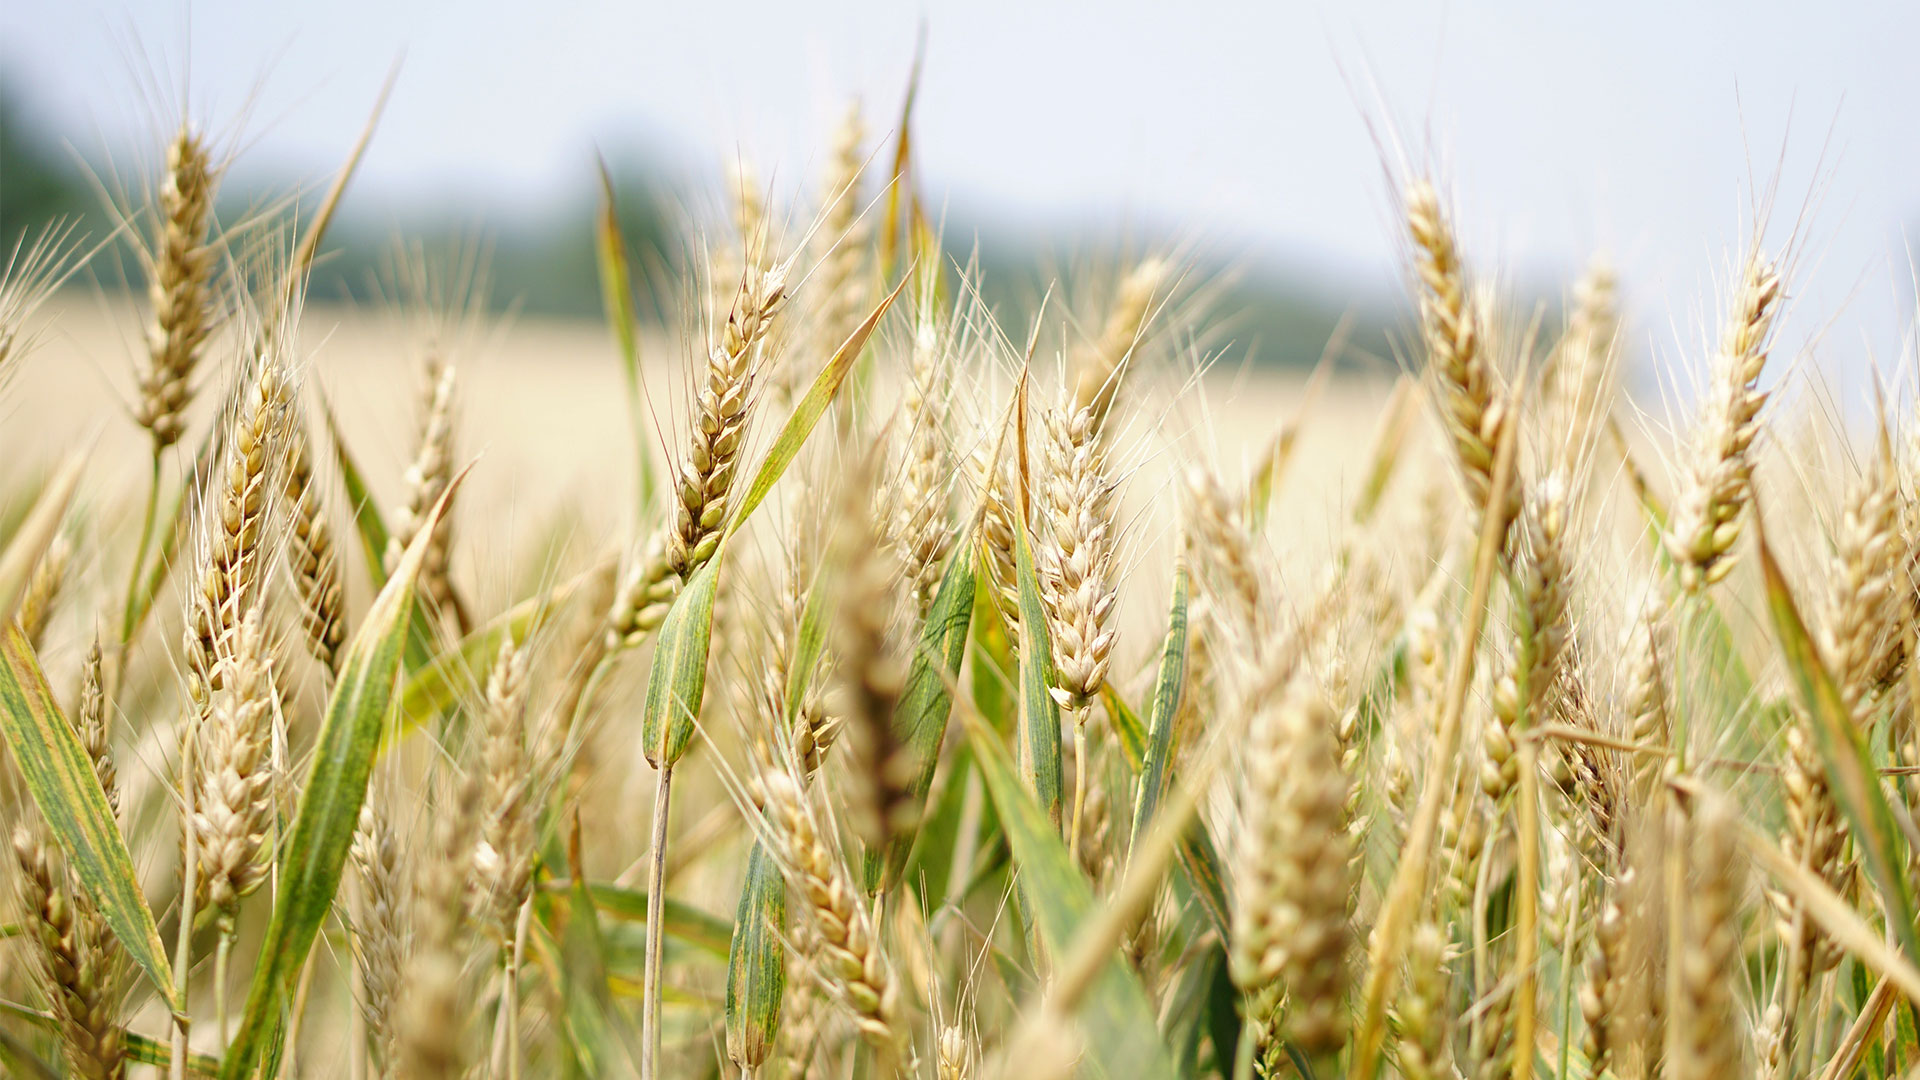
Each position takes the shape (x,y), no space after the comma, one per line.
(541,259)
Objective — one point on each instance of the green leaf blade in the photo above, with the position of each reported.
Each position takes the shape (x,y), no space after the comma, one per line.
(678,681)
(757,960)
(1040,757)
(926,703)
(314,855)
(1122,1037)
(1168,686)
(60,777)
(1844,753)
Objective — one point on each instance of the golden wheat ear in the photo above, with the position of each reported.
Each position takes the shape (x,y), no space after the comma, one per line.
(179,287)
(1719,481)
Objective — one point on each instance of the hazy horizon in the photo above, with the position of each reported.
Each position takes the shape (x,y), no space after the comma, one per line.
(1255,134)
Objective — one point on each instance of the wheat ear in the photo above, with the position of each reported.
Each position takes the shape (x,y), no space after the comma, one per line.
(720,415)
(841,282)
(1706,511)
(179,287)
(503,858)
(920,528)
(82,971)
(1292,891)
(428,1028)
(233,807)
(1584,374)
(379,938)
(37,604)
(1704,1031)
(232,548)
(870,675)
(851,964)
(311,556)
(1099,365)
(427,478)
(1450,326)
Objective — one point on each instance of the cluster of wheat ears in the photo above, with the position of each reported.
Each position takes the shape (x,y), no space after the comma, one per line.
(1510,778)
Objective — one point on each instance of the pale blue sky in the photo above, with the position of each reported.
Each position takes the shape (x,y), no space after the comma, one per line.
(1562,127)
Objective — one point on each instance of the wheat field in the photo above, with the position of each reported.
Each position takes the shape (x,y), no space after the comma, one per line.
(842,681)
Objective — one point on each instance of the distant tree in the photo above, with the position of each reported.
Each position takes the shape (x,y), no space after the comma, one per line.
(37,182)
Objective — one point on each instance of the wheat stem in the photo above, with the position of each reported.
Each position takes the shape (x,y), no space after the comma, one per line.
(1402,901)
(656,907)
